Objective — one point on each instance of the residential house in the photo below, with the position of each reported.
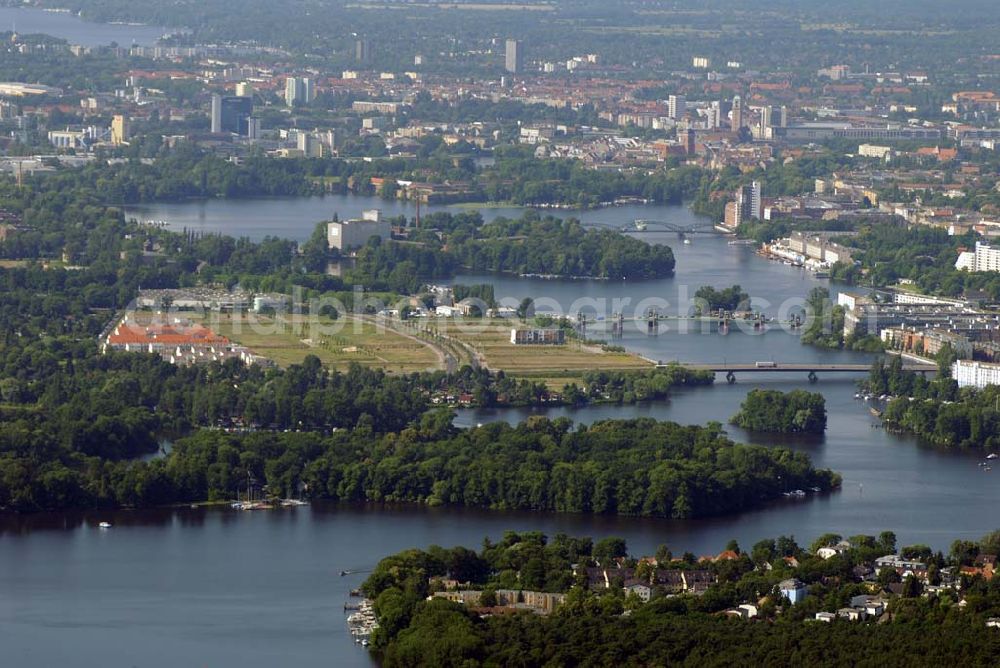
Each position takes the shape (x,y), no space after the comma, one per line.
(902,566)
(639,588)
(871,605)
(697,581)
(830,551)
(792,589)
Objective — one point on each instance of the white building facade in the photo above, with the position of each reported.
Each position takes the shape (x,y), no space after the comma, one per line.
(969,373)
(984,258)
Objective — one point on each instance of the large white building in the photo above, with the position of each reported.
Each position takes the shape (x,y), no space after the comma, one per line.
(875,151)
(298,90)
(756,203)
(984,258)
(356,233)
(968,373)
(676,106)
(69,138)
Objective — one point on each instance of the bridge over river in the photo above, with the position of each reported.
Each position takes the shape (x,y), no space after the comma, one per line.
(810,368)
(641,225)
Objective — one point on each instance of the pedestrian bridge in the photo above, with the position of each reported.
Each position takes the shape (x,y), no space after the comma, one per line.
(813,370)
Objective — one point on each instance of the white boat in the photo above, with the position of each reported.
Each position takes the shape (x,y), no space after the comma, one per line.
(687,242)
(992,455)
(105,525)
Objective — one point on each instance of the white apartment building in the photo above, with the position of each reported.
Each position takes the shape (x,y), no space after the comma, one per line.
(968,373)
(984,258)
(874,151)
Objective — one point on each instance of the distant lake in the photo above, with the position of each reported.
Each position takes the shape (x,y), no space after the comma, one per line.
(286,217)
(73,29)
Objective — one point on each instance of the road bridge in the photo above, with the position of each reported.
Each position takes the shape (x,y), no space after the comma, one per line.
(812,369)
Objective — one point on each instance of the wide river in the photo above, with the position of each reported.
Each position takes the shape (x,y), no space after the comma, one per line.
(217,587)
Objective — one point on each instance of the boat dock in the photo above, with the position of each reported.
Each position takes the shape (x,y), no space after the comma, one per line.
(362,622)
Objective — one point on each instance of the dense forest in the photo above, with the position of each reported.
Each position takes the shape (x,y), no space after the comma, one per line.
(589,628)
(533,245)
(785,412)
(639,467)
(443,634)
(148,171)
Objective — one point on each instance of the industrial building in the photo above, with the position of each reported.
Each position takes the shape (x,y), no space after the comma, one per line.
(344,235)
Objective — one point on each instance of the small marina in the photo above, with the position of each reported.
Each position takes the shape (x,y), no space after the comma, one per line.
(362,621)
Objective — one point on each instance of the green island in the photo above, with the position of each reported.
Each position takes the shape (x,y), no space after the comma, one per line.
(635,467)
(785,412)
(528,600)
(727,299)
(546,246)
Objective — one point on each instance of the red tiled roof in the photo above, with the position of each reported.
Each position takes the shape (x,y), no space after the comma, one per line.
(165,334)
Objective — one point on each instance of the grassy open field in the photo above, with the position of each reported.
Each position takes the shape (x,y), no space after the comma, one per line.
(287,339)
(490,340)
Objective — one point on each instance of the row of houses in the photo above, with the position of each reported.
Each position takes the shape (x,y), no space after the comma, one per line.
(538,602)
(862,607)
(927,342)
(819,247)
(179,342)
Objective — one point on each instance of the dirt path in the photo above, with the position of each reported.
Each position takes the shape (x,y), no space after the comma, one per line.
(445,360)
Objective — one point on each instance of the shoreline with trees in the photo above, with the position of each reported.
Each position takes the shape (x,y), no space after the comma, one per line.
(531,600)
